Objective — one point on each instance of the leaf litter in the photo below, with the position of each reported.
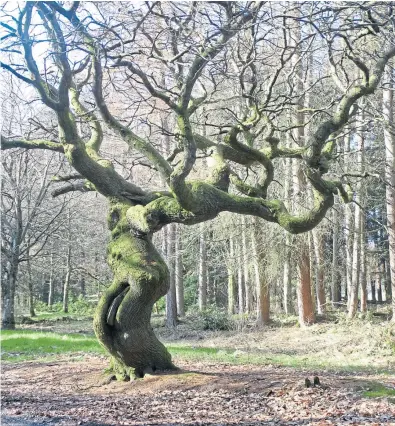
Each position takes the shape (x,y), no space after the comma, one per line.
(66,392)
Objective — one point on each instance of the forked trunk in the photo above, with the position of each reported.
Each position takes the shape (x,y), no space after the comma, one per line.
(122,320)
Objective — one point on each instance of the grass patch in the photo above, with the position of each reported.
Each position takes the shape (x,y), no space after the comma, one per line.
(59,316)
(237,357)
(27,345)
(377,390)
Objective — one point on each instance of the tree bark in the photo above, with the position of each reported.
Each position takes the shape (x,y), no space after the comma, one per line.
(287,279)
(66,285)
(179,282)
(305,302)
(335,285)
(245,263)
(30,285)
(8,286)
(202,271)
(287,276)
(141,277)
(356,255)
(82,277)
(362,278)
(320,284)
(171,296)
(51,282)
(388,288)
(261,284)
(313,270)
(378,285)
(353,294)
(348,218)
(389,140)
(373,288)
(231,278)
(240,280)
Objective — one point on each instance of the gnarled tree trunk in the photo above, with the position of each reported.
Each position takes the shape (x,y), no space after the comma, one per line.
(141,277)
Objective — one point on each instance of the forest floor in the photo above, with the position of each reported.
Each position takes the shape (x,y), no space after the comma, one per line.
(226,378)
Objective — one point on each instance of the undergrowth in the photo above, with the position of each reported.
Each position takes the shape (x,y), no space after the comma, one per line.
(79,306)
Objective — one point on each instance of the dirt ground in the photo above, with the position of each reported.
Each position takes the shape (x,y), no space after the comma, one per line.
(68,392)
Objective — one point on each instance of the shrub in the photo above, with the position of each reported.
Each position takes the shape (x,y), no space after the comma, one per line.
(43,307)
(80,306)
(213,319)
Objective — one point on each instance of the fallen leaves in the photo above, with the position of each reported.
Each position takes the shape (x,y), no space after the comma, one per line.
(69,394)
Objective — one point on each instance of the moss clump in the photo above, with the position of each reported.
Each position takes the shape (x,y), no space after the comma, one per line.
(121,371)
(117,220)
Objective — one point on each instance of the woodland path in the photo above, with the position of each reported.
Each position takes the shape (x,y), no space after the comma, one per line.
(74,392)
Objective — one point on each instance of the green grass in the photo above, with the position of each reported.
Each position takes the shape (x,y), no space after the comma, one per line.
(56,316)
(18,346)
(51,316)
(377,390)
(232,356)
(26,345)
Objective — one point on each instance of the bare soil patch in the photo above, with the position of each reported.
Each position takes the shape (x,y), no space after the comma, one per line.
(68,392)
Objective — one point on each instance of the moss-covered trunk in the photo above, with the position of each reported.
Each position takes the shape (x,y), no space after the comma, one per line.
(122,320)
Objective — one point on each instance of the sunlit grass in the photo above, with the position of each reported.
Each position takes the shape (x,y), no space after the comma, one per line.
(18,346)
(235,357)
(377,390)
(28,345)
(58,316)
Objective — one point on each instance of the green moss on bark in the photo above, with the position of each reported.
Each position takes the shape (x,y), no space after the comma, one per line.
(141,277)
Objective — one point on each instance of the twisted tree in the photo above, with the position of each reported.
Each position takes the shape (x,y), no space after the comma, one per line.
(222,66)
